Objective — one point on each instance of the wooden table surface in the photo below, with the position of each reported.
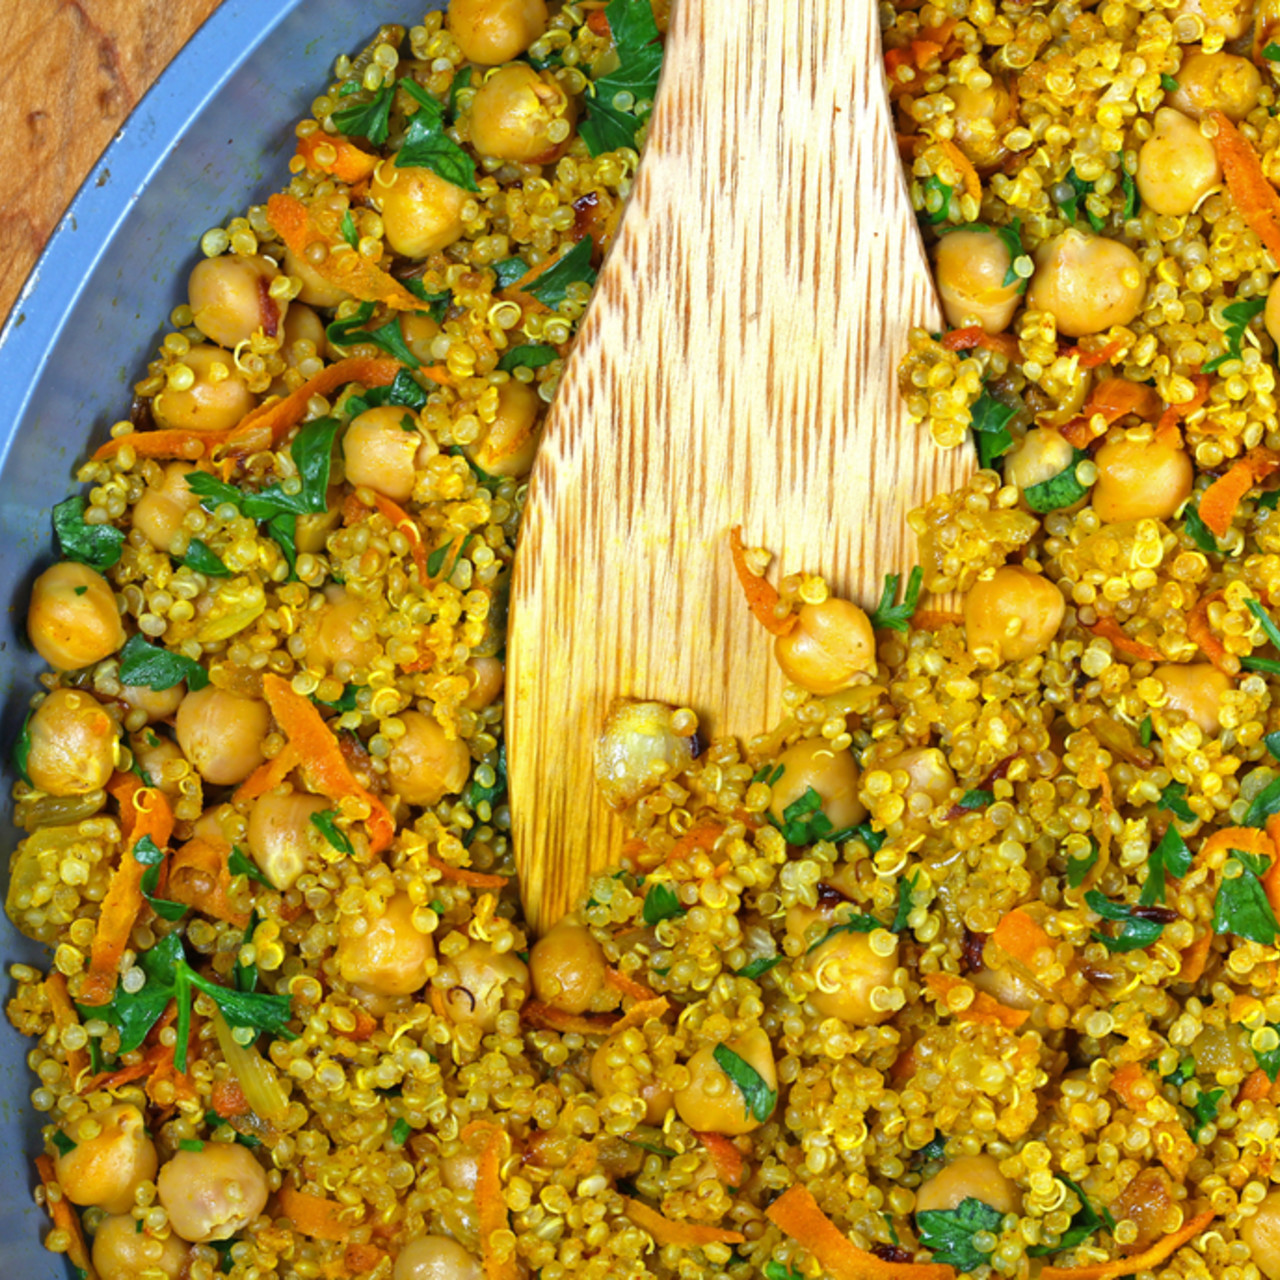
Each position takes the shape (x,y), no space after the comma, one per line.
(72,70)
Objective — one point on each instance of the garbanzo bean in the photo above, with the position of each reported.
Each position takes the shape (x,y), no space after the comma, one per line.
(317,290)
(379,449)
(231,301)
(567,967)
(1087,283)
(711,1102)
(930,779)
(848,970)
(436,1258)
(282,838)
(217,398)
(1039,456)
(485,982)
(495,31)
(419,331)
(421,212)
(970,269)
(111,1158)
(1261,1233)
(513,114)
(301,325)
(75,744)
(830,646)
(212,1193)
(486,676)
(813,762)
(981,118)
(72,619)
(976,1177)
(1177,165)
(221,734)
(1216,82)
(1196,689)
(155,704)
(508,446)
(122,1252)
(340,635)
(392,957)
(151,753)
(425,763)
(314,528)
(614,1069)
(1012,615)
(1140,480)
(1271,316)
(162,509)
(1232,20)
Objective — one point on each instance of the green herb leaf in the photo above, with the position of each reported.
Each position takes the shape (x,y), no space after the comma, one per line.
(1078,868)
(1269,1059)
(977,799)
(202,560)
(934,1149)
(435,561)
(97,545)
(1267,665)
(400,1131)
(1272,741)
(246,975)
(239,865)
(551,287)
(1237,315)
(426,144)
(1269,628)
(474,795)
(661,903)
(1198,531)
(1072,206)
(437,305)
(758,968)
(1272,53)
(760,1099)
(155,668)
(1183,1072)
(1171,855)
(1084,1222)
(652,1148)
(345,703)
(62,1142)
(1144,731)
(949,1233)
(636,41)
(370,119)
(1168,83)
(1130,188)
(348,229)
(1205,1110)
(943,212)
(148,854)
(325,823)
(1174,798)
(508,271)
(803,821)
(906,887)
(190,1144)
(989,420)
(1264,804)
(1241,906)
(874,840)
(388,337)
(780,1271)
(462,80)
(1062,490)
(22,748)
(528,357)
(1011,237)
(1136,932)
(897,617)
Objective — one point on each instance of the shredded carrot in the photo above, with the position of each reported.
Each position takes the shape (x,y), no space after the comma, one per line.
(761,597)
(598,24)
(349,164)
(975,335)
(1195,958)
(799,1216)
(228,1100)
(491,1209)
(687,1235)
(920,52)
(1271,881)
(402,520)
(964,167)
(703,836)
(1135,1087)
(464,875)
(361,1259)
(1111,400)
(1110,629)
(1199,631)
(199,875)
(984,1009)
(545,1017)
(1099,355)
(640,1013)
(314,1216)
(120,1076)
(730,1166)
(65,1218)
(144,812)
(1224,495)
(1257,1085)
(166,1073)
(619,981)
(935,619)
(1147,1260)
(1019,936)
(64,1016)
(1246,839)
(267,776)
(1250,188)
(1167,432)
(366,1024)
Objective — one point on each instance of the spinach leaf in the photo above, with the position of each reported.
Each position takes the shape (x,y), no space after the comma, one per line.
(661,903)
(1062,490)
(148,665)
(760,1099)
(610,124)
(1237,315)
(387,338)
(97,545)
(437,303)
(989,419)
(897,617)
(370,119)
(427,146)
(1138,927)
(528,357)
(949,1233)
(1241,906)
(202,560)
(551,287)
(460,81)
(325,823)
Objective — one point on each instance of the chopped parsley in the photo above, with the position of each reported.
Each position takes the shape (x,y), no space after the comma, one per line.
(661,903)
(347,702)
(949,1233)
(427,146)
(1272,741)
(348,230)
(760,1099)
(977,799)
(405,391)
(437,303)
(400,1131)
(462,80)
(190,1144)
(1183,1072)
(239,865)
(620,102)
(1170,856)
(97,545)
(388,337)
(1237,315)
(62,1142)
(897,617)
(989,418)
(326,824)
(1174,799)
(1241,906)
(202,560)
(508,271)
(780,1271)
(1062,490)
(1138,928)
(862,923)
(1078,868)
(803,821)
(945,192)
(1084,1222)
(1075,203)
(1204,1110)
(1269,1059)
(1130,188)
(1198,531)
(150,666)
(1144,731)
(652,1148)
(551,287)
(1272,53)
(1264,804)
(532,356)
(436,560)
(370,119)
(148,854)
(22,748)
(1168,83)
(758,968)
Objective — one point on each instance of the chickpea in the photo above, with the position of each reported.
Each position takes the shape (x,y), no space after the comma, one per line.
(813,762)
(1039,456)
(830,646)
(151,753)
(72,619)
(75,744)
(421,212)
(966,1177)
(317,290)
(1231,17)
(281,837)
(929,779)
(971,268)
(162,509)
(436,1258)
(231,301)
(339,634)
(1010,988)
(848,971)
(313,530)
(486,676)
(425,763)
(1196,689)
(1271,316)
(212,1193)
(155,704)
(1012,615)
(221,734)
(981,117)
(495,31)
(1139,480)
(512,115)
(392,957)
(1087,283)
(508,447)
(487,982)
(613,1070)
(1261,1233)
(217,399)
(1216,82)
(122,1252)
(419,331)
(301,324)
(108,1164)
(1177,166)
(567,966)
(711,1102)
(379,449)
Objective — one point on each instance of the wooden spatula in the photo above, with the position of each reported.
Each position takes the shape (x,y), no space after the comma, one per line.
(737,366)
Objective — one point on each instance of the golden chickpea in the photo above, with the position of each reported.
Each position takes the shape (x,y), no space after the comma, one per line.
(122,1252)
(419,331)
(421,212)
(75,744)
(1012,615)
(567,966)
(112,1157)
(929,779)
(72,619)
(221,734)
(314,529)
(813,762)
(217,398)
(513,113)
(1261,1233)
(1177,166)
(155,704)
(508,447)
(339,634)
(1140,480)
(379,449)
(212,1193)
(711,1102)
(981,118)
(613,1070)
(231,301)
(829,647)
(495,31)
(1196,689)
(971,268)
(151,753)
(1216,82)
(162,509)
(316,291)
(392,957)
(425,763)
(486,676)
(282,839)
(1271,316)
(848,970)
(976,1177)
(1087,283)
(1039,456)
(1231,17)
(436,1258)
(301,325)
(486,982)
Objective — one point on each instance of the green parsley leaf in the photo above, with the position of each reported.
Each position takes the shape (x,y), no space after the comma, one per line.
(1130,188)
(609,124)
(1071,207)
(438,304)
(1269,1059)
(97,545)
(246,975)
(906,887)
(460,81)
(945,191)
(400,1131)
(897,617)
(661,903)
(348,230)
(1272,53)
(508,271)
(155,668)
(1198,531)
(528,357)
(474,795)
(1267,665)
(760,1099)
(874,840)
(1272,741)
(1183,1072)
(1078,868)
(1174,798)
(325,823)
(1011,237)
(1237,315)
(22,748)
(1264,804)
(1062,490)
(780,1271)
(190,1144)
(551,287)
(989,420)
(202,560)
(652,1148)
(803,821)
(148,854)
(1084,1222)
(427,146)
(934,1149)
(1144,731)
(1241,906)
(1269,628)
(1171,855)
(1168,83)
(62,1142)
(239,865)
(977,799)
(1205,1110)
(758,968)
(370,119)
(347,702)
(1137,931)
(435,561)
(388,337)
(949,1233)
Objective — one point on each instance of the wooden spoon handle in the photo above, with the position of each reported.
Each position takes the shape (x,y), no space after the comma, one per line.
(737,365)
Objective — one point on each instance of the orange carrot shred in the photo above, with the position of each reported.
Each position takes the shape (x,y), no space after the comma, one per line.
(1224,495)
(703,836)
(620,981)
(1246,839)
(640,1013)
(228,1100)
(1196,957)
(687,1235)
(1271,881)
(964,167)
(464,875)
(1199,631)
(1257,1085)
(268,775)
(314,1216)
(1019,936)
(64,1016)
(200,876)
(984,1009)
(761,597)
(1147,1260)
(402,520)
(361,1259)
(1110,629)
(1099,355)
(545,1017)
(975,335)
(350,164)
(65,1218)
(491,1209)
(1167,432)
(1111,400)
(729,1164)
(799,1216)
(1250,188)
